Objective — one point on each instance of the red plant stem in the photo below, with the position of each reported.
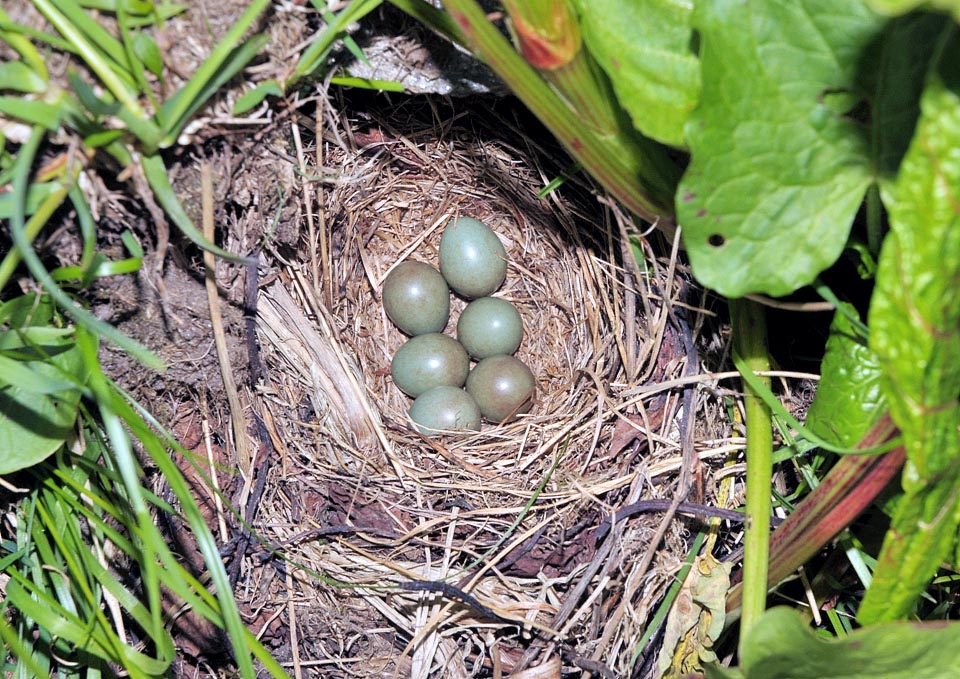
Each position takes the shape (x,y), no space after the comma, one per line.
(848,489)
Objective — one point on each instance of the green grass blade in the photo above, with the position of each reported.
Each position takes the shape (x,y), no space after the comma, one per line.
(88,228)
(59,622)
(101,52)
(430,16)
(669,598)
(92,29)
(119,418)
(18,76)
(17,232)
(137,68)
(9,33)
(847,489)
(156,173)
(161,639)
(178,110)
(100,270)
(129,469)
(315,57)
(11,642)
(367,84)
(17,34)
(33,112)
(174,115)
(42,213)
(253,97)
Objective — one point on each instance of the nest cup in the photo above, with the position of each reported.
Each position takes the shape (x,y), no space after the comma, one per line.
(561,290)
(433,508)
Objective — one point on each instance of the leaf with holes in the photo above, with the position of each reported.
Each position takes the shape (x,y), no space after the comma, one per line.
(777,171)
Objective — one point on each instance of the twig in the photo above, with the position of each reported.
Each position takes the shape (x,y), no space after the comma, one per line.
(660,505)
(253,502)
(216,322)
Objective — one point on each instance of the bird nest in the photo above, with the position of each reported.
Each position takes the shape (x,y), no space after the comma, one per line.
(491,551)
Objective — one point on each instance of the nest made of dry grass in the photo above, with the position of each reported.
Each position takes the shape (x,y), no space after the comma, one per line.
(513,515)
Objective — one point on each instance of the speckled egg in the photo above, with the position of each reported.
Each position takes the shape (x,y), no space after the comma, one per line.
(445,409)
(416,298)
(502,386)
(472,258)
(428,361)
(490,327)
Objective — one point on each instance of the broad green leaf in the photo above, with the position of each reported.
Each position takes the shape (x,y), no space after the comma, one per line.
(783,646)
(30,382)
(645,48)
(36,342)
(33,309)
(849,398)
(904,6)
(721,672)
(777,174)
(35,416)
(915,332)
(765,394)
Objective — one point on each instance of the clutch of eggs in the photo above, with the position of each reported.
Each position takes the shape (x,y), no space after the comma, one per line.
(433,367)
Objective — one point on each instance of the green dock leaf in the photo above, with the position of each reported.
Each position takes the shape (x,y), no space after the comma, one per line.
(647,54)
(778,171)
(784,646)
(915,331)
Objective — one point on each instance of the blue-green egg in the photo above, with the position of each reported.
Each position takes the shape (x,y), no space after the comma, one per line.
(416,298)
(445,409)
(490,327)
(472,258)
(503,387)
(428,361)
